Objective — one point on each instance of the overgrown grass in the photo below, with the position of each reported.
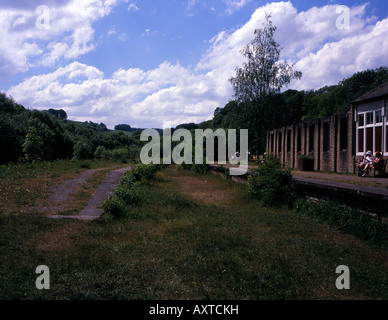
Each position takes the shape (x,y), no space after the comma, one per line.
(197,168)
(179,247)
(348,220)
(273,185)
(130,192)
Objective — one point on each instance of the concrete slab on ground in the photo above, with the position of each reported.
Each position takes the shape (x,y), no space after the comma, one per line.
(93,209)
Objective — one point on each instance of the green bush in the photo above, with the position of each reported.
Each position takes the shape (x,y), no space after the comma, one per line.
(144,173)
(99,153)
(115,207)
(82,150)
(139,174)
(133,195)
(130,192)
(128,179)
(120,154)
(39,140)
(272,184)
(85,165)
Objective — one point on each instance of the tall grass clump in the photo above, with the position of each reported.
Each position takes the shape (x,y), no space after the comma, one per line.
(185,166)
(130,192)
(178,201)
(272,184)
(348,220)
(198,168)
(201,168)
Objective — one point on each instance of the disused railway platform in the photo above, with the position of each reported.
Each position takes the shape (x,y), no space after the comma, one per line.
(368,194)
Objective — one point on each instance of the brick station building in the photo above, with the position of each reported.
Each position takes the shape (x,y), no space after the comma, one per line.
(336,142)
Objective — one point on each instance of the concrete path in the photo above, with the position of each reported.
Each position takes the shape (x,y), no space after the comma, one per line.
(381,183)
(93,209)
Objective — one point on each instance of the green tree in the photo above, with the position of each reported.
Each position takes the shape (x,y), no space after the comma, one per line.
(123,127)
(12,135)
(262,74)
(59,114)
(8,105)
(99,153)
(38,144)
(83,150)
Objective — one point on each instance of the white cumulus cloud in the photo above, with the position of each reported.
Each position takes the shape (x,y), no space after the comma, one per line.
(234,5)
(43,33)
(171,92)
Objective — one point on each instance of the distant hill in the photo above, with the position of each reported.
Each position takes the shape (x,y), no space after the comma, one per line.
(34,135)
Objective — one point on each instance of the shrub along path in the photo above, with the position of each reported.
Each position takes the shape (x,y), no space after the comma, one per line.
(93,209)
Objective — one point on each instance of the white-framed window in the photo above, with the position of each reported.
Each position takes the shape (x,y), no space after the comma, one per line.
(386,132)
(369,134)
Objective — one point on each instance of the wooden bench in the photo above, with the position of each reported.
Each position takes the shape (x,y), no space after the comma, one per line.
(379,170)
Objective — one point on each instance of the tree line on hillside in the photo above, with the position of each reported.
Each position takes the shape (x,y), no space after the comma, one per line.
(292,107)
(32,135)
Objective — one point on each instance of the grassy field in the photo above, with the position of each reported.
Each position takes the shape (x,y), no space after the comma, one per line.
(196,237)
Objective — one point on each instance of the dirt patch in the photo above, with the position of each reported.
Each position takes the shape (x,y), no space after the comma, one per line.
(202,188)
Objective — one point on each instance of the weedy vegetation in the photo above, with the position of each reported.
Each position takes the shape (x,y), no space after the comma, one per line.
(174,234)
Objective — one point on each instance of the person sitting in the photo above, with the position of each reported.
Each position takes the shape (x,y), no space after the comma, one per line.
(372,161)
(363,163)
(377,161)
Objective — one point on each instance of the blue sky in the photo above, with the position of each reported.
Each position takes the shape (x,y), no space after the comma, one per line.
(145,62)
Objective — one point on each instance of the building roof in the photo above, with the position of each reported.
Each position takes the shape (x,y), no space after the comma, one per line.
(378,92)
